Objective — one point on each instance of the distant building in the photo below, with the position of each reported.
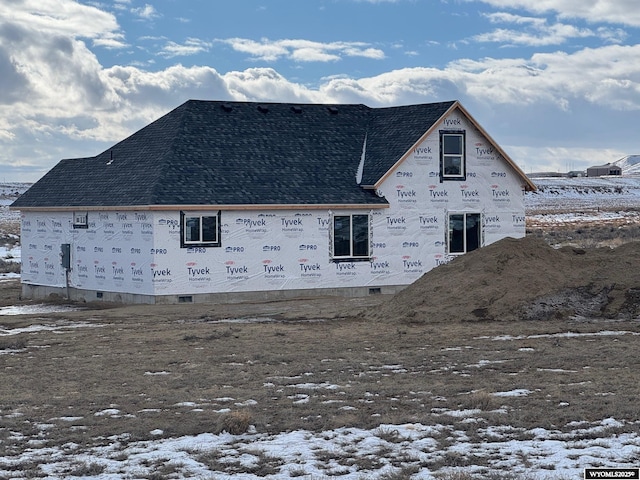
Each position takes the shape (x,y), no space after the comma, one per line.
(608,169)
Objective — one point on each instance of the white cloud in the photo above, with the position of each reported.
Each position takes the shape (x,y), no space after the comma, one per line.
(302,50)
(191,46)
(111,41)
(308,54)
(537,32)
(258,50)
(625,12)
(265,84)
(148,12)
(121,4)
(59,17)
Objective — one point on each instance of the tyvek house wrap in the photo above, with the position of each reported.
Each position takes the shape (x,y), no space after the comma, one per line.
(139,251)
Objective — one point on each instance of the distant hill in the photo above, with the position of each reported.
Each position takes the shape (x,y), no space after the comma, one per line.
(630,164)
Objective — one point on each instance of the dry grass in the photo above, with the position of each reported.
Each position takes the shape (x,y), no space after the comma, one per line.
(586,235)
(159,372)
(236,423)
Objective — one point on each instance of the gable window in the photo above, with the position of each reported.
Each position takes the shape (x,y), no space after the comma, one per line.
(199,230)
(452,155)
(80,220)
(351,237)
(465,232)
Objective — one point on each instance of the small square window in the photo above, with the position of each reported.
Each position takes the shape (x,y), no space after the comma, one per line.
(199,230)
(80,220)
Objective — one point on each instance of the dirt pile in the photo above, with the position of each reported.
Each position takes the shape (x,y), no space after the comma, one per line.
(523,279)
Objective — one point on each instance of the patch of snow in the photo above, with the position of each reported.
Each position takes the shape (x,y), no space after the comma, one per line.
(629,164)
(315,386)
(303,453)
(36,309)
(560,335)
(11,253)
(484,363)
(469,412)
(299,398)
(50,328)
(5,277)
(519,392)
(68,419)
(11,351)
(111,412)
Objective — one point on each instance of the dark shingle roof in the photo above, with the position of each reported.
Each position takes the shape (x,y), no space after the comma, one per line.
(393,131)
(241,153)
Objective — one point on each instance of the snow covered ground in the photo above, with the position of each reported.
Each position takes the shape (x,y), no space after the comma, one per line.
(578,194)
(346,453)
(572,200)
(8,193)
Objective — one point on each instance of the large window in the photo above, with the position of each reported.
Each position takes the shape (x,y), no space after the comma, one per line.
(465,232)
(351,237)
(452,155)
(199,230)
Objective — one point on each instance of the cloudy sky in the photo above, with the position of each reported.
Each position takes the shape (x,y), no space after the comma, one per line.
(555,82)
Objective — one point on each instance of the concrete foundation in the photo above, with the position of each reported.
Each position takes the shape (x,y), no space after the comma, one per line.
(42,292)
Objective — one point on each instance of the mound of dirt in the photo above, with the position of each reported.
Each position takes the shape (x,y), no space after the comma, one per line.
(515,279)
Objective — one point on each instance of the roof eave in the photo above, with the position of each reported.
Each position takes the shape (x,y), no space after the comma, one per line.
(236,207)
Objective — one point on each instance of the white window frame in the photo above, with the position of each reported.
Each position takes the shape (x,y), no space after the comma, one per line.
(185,216)
(444,156)
(351,257)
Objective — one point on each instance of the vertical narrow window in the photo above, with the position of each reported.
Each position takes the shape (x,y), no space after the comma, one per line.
(351,237)
(465,232)
(452,155)
(198,230)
